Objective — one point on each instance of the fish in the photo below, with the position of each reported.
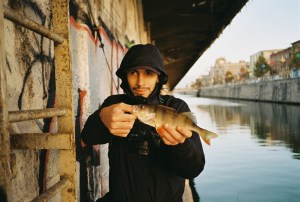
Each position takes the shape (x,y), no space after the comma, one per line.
(157,115)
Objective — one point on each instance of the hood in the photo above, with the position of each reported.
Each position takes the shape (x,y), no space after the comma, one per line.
(142,55)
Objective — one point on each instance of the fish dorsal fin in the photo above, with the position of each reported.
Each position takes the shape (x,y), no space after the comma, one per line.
(190,115)
(169,108)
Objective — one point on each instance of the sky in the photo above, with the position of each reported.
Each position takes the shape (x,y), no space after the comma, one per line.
(260,25)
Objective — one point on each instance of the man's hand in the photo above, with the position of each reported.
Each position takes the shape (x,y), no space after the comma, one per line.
(116,119)
(172,136)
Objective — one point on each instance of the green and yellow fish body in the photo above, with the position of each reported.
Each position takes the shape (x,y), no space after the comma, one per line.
(157,115)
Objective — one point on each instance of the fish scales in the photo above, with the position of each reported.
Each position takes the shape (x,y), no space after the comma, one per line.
(160,116)
(168,116)
(163,115)
(157,115)
(181,120)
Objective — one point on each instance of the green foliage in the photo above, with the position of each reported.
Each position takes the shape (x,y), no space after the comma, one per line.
(197,84)
(261,66)
(244,74)
(228,76)
(295,61)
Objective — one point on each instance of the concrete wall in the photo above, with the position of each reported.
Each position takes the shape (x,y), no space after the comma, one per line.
(31,84)
(281,91)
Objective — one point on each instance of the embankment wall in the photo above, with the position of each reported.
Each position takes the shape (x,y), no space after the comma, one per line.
(280,91)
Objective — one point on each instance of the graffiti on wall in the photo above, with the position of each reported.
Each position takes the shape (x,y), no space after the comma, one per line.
(96,66)
(35,72)
(32,63)
(34,51)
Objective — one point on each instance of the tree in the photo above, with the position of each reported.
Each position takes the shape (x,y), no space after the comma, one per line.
(244,74)
(197,84)
(228,76)
(295,62)
(261,66)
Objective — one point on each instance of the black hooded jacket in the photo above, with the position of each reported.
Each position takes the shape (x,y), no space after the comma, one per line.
(142,167)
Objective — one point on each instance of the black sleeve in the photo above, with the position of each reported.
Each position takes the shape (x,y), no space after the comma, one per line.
(94,131)
(188,158)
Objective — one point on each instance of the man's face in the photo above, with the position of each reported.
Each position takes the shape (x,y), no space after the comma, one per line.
(142,81)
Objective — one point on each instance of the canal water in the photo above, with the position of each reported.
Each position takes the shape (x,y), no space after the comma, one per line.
(256,157)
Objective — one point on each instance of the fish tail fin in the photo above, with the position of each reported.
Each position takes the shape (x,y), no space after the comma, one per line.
(207,141)
(206,135)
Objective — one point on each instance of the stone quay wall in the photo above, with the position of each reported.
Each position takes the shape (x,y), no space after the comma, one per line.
(279,91)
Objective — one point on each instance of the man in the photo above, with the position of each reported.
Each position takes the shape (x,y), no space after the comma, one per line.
(145,164)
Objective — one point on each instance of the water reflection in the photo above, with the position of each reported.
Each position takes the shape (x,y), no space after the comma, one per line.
(255,157)
(270,124)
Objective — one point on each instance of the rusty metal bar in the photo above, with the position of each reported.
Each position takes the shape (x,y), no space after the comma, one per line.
(24,115)
(40,141)
(52,191)
(64,95)
(22,20)
(5,160)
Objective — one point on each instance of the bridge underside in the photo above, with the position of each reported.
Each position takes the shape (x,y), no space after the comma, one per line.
(184,29)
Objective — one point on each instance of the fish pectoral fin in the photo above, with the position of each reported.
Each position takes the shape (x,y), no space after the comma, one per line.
(151,116)
(154,123)
(148,118)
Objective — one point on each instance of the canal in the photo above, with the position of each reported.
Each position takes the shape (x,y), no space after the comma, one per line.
(256,157)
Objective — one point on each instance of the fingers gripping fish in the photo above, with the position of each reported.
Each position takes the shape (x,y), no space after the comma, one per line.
(157,115)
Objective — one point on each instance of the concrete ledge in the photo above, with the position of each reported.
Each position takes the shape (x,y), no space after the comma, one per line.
(280,91)
(187,195)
